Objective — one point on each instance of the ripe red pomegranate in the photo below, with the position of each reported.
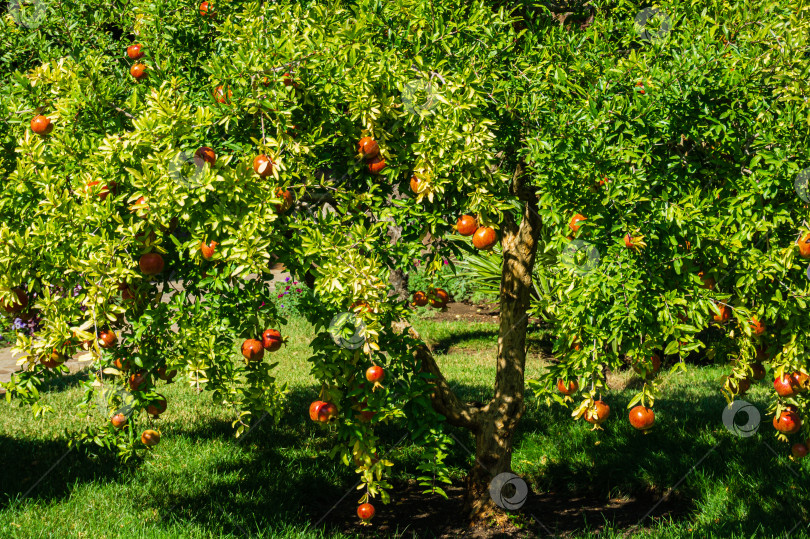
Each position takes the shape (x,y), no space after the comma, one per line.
(757,327)
(138,380)
(788,422)
(271,340)
(138,71)
(800,381)
(375,374)
(420,299)
(168,376)
(314,408)
(650,368)
(368,148)
(150,438)
(724,315)
(122,364)
(466,225)
(252,350)
(439,298)
(708,282)
(141,208)
(263,165)
(484,238)
(365,511)
(157,406)
(567,389)
(208,250)
(107,338)
(804,246)
(41,125)
(134,52)
(376,164)
(105,190)
(151,263)
(642,417)
(286,196)
(799,450)
(219,92)
(118,420)
(783,386)
(739,386)
(576,222)
(322,412)
(367,415)
(53,360)
(598,414)
(415,184)
(207,155)
(126,292)
(360,307)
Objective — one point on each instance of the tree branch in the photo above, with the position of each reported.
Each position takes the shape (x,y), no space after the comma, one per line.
(444,399)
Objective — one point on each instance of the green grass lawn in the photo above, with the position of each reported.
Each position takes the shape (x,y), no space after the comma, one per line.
(278,481)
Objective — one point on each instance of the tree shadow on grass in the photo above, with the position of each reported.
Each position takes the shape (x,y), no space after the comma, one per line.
(617,479)
(46,469)
(687,462)
(280,475)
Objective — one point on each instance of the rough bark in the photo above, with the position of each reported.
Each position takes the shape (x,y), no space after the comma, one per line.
(494,423)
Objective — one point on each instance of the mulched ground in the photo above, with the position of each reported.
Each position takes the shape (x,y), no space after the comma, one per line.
(549,514)
(468,312)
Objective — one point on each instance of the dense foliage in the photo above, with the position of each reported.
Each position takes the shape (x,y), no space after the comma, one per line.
(679,143)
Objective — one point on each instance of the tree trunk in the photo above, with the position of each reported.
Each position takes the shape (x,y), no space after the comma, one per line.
(494,423)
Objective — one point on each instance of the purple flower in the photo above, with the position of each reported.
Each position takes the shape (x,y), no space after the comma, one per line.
(446,262)
(18,324)
(282,306)
(262,305)
(288,279)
